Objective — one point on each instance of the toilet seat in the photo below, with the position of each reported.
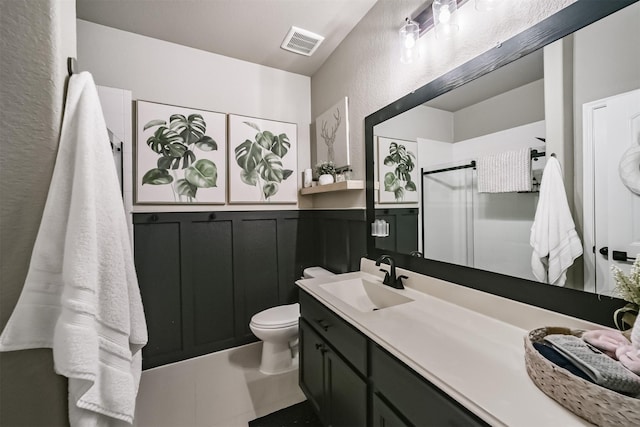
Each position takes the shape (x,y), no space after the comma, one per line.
(277,317)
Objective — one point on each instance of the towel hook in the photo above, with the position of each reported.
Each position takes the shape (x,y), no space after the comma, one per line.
(72,65)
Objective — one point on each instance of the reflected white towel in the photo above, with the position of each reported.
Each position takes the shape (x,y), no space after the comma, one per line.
(81,295)
(505,172)
(553,233)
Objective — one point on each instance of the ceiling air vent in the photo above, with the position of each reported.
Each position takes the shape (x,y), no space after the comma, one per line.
(301,41)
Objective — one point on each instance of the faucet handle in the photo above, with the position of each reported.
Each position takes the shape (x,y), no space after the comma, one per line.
(386,276)
(399,280)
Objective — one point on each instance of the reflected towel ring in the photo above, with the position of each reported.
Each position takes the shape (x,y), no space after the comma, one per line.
(629,169)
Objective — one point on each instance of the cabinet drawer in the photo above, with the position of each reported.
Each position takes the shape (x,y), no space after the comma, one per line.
(419,401)
(350,343)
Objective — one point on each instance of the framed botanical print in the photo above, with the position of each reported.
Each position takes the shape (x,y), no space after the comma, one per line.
(397,170)
(262,161)
(180,155)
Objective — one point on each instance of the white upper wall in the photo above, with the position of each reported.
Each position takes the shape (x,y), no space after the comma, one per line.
(163,72)
(367,69)
(419,122)
(514,108)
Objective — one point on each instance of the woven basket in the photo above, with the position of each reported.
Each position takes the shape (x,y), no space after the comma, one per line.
(592,402)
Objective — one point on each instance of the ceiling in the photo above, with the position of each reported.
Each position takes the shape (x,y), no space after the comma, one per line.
(518,73)
(250,30)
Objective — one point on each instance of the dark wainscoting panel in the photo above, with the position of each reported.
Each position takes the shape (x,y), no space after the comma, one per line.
(209,268)
(158,262)
(203,275)
(403,230)
(341,234)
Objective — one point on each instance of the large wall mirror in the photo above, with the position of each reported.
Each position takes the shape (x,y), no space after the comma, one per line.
(537,93)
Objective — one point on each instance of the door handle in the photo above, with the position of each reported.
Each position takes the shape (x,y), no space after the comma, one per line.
(321,347)
(622,256)
(604,251)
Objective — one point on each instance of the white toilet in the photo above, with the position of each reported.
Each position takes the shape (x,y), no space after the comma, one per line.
(277,327)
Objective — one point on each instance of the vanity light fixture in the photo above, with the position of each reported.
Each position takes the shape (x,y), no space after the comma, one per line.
(436,13)
(445,19)
(409,34)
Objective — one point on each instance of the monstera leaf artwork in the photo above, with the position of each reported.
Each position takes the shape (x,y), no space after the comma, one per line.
(185,148)
(397,169)
(265,161)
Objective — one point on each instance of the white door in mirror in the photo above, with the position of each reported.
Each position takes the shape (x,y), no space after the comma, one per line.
(615,212)
(630,169)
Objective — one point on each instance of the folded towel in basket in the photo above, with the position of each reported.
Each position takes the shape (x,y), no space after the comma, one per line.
(605,340)
(629,356)
(552,355)
(602,369)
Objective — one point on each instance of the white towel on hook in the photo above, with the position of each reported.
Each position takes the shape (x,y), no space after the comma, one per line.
(81,295)
(553,233)
(505,172)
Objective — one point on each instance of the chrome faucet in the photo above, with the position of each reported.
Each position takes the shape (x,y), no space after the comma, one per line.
(390,278)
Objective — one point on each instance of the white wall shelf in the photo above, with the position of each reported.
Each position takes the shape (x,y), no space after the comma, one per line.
(336,186)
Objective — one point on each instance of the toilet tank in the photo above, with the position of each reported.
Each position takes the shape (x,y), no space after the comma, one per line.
(313,272)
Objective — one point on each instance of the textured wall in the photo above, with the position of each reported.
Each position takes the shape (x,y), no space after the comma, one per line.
(367,69)
(35,39)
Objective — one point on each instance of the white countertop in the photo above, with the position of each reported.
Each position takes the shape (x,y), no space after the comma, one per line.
(466,342)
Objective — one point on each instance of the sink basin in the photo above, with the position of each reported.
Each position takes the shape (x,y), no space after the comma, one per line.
(364,295)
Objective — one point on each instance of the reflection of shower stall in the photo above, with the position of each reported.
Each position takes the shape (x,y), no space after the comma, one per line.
(489,231)
(447,206)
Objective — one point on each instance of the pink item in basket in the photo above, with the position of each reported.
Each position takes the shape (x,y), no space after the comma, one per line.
(606,340)
(629,356)
(635,332)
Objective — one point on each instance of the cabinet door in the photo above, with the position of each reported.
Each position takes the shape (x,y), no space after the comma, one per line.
(346,393)
(312,349)
(384,416)
(422,403)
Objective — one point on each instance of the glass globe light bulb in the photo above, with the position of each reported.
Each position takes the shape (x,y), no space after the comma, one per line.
(409,41)
(445,16)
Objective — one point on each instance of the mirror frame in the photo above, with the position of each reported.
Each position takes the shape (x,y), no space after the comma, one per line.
(580,304)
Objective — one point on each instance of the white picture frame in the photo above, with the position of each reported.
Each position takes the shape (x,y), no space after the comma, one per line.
(263,160)
(180,155)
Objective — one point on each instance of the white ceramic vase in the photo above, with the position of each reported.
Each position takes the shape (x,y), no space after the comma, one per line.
(325,179)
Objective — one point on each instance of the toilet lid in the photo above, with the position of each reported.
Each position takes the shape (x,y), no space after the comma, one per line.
(277,317)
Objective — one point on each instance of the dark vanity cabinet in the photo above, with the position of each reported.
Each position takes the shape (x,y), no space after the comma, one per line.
(334,383)
(408,396)
(343,373)
(383,414)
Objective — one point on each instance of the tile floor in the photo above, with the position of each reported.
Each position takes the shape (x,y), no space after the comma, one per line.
(219,389)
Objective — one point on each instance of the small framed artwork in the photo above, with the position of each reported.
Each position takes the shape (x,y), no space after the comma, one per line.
(397,170)
(263,160)
(180,155)
(332,135)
